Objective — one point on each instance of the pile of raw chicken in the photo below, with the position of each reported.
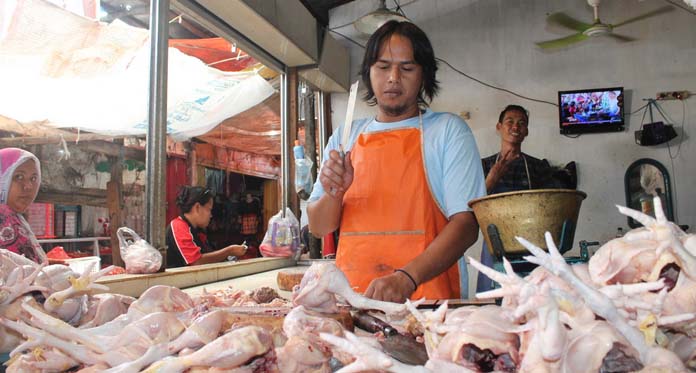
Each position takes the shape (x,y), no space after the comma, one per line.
(631,308)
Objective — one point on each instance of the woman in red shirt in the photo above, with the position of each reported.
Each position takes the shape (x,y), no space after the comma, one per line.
(187,243)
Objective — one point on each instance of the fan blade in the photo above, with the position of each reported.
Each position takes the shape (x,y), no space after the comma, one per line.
(655,12)
(562,42)
(621,38)
(566,21)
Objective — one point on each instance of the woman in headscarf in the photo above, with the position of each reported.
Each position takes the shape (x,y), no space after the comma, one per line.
(20,178)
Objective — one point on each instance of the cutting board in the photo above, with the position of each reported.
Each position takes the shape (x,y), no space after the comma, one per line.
(271,319)
(288,278)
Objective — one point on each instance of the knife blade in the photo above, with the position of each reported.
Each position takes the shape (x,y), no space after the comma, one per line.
(348,123)
(401,347)
(405,349)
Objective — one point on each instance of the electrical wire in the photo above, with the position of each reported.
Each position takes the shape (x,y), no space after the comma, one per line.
(672,157)
(639,109)
(346,37)
(399,7)
(494,87)
(670,120)
(674,174)
(460,72)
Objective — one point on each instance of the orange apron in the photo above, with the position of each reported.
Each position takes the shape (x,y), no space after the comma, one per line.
(389,214)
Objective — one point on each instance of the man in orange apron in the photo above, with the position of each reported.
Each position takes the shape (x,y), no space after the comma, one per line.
(400,194)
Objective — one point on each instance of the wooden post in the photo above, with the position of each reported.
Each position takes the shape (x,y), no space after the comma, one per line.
(328,127)
(310,150)
(191,162)
(114,200)
(293,117)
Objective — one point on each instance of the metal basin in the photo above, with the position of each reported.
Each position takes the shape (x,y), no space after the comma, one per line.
(528,214)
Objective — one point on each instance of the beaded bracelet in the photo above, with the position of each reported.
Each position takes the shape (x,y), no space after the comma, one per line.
(415,285)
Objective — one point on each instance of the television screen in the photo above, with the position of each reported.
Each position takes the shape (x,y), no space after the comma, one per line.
(591,110)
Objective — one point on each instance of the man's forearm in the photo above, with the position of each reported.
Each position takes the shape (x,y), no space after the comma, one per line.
(213,257)
(456,237)
(324,214)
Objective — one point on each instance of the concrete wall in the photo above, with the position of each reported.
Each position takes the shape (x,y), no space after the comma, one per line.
(493,41)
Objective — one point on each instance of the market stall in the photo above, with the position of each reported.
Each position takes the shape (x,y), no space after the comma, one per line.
(628,307)
(602,313)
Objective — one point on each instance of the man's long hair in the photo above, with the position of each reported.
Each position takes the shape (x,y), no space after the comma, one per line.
(422,52)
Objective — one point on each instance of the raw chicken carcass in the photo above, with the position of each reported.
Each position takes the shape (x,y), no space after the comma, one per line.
(228,351)
(601,305)
(103,308)
(322,281)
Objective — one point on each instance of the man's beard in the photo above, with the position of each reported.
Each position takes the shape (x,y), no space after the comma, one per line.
(394,111)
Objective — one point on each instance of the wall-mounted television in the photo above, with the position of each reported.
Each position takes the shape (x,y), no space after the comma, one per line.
(591,110)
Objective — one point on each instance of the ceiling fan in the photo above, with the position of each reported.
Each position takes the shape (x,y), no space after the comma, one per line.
(596,28)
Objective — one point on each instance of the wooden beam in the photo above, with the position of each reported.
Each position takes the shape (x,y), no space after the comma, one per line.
(112,149)
(69,137)
(35,129)
(36,133)
(78,197)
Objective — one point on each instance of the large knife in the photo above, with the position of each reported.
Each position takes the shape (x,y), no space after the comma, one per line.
(348,122)
(454,303)
(401,347)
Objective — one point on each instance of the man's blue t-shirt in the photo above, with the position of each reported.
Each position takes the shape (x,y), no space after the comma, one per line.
(452,160)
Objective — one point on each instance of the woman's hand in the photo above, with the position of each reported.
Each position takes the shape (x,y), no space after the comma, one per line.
(336,174)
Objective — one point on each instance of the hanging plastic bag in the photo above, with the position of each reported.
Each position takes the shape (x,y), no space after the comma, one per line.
(303,177)
(283,236)
(303,172)
(138,255)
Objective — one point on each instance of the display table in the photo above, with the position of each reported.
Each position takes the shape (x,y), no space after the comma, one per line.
(249,282)
(210,275)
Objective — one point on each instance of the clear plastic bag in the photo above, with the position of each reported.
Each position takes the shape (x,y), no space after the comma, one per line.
(283,236)
(138,255)
(303,176)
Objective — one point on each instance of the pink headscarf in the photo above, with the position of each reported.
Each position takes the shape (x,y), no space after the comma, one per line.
(10,159)
(15,232)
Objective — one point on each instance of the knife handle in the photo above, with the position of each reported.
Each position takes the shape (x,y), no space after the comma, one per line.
(343,158)
(372,324)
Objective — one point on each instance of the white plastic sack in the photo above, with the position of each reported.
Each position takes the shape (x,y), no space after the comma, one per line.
(138,255)
(283,236)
